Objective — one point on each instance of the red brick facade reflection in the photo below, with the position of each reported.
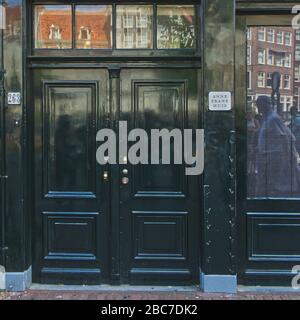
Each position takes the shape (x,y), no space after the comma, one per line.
(54,28)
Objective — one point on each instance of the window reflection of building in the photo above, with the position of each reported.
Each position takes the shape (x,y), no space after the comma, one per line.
(175,26)
(13,22)
(134,27)
(273,136)
(94,26)
(269,80)
(53,26)
(248,55)
(296,83)
(272,50)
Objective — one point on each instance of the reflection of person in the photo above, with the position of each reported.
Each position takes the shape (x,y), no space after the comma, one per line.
(295,126)
(277,169)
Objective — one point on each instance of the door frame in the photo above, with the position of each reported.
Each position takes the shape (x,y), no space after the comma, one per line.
(114,170)
(114,65)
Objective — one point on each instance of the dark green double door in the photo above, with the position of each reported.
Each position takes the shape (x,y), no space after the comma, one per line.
(90,225)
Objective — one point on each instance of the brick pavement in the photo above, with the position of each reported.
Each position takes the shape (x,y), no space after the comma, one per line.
(143,295)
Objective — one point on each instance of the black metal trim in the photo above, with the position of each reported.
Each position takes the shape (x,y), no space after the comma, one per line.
(264,7)
(3,175)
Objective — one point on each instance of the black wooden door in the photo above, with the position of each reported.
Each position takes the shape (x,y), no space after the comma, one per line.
(71,231)
(160,205)
(144,229)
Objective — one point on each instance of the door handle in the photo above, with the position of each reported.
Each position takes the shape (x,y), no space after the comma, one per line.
(105,176)
(125,180)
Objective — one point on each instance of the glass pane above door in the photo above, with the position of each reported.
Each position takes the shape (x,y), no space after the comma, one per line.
(175,27)
(115,27)
(134,27)
(53,26)
(93,26)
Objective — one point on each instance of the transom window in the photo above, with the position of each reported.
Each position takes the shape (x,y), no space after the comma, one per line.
(76,26)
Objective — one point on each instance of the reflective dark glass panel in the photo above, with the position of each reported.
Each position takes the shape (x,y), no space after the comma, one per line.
(273,112)
(134,27)
(53,26)
(93,26)
(175,27)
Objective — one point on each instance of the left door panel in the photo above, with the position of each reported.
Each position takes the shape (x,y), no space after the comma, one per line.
(71,219)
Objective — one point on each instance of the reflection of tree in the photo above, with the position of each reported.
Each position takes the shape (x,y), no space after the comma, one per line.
(178,32)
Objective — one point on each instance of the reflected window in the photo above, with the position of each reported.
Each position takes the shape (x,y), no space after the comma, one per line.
(270,35)
(270,57)
(53,26)
(297,52)
(287,60)
(261,55)
(248,80)
(175,27)
(114,26)
(269,80)
(261,34)
(248,33)
(287,81)
(297,73)
(261,79)
(55,33)
(279,36)
(273,114)
(134,27)
(288,38)
(248,55)
(93,26)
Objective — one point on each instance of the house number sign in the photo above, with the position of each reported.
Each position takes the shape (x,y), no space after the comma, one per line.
(14,98)
(220,101)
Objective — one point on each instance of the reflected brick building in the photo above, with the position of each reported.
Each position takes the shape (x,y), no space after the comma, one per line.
(296,81)
(270,50)
(93,28)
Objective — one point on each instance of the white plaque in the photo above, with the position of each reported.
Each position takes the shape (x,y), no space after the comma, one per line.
(220,101)
(13,98)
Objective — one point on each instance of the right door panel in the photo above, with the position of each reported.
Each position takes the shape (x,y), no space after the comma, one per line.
(160,206)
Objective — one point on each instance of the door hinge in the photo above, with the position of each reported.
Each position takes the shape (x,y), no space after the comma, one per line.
(3,177)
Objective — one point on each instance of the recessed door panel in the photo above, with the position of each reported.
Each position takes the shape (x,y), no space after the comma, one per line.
(69,143)
(158,105)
